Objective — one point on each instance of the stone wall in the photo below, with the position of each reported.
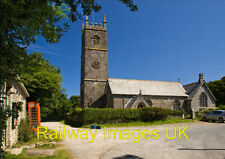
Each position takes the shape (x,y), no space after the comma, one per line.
(94,93)
(16,95)
(109,97)
(166,102)
(157,101)
(94,65)
(195,103)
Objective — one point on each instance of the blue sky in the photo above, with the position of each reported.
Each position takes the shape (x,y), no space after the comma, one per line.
(165,40)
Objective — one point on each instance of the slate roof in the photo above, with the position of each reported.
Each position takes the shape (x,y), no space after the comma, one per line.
(190,87)
(147,87)
(19,83)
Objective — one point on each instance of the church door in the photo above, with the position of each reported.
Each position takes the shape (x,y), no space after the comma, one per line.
(141,105)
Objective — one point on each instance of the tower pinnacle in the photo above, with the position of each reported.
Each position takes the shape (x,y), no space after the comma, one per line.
(86,20)
(104,21)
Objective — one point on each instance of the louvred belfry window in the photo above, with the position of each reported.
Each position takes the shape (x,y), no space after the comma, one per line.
(95,40)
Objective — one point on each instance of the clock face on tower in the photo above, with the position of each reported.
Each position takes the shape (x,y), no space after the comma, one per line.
(96,65)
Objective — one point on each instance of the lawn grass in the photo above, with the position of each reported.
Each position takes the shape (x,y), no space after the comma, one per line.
(141,123)
(60,154)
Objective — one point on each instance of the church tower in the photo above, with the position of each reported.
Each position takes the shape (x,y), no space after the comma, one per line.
(94,64)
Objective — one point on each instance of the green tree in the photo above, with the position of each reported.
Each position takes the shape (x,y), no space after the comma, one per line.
(23,20)
(218,89)
(43,82)
(75,101)
(56,107)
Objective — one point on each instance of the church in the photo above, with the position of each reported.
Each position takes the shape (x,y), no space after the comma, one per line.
(99,91)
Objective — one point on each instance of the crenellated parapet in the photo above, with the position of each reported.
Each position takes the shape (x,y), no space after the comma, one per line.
(94,26)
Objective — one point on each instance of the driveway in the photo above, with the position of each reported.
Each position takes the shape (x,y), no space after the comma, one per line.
(206,141)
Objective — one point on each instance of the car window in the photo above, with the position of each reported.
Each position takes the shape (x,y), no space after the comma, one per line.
(217,112)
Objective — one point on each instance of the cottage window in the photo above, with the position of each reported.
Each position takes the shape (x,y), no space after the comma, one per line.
(203,100)
(14,121)
(1,96)
(176,105)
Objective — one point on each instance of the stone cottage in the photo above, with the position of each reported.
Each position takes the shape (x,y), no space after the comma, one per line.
(98,90)
(13,91)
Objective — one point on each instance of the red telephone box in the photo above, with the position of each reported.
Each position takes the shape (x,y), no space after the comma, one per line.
(34,115)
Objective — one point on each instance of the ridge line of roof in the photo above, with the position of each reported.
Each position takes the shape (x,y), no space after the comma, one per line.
(141,80)
(190,83)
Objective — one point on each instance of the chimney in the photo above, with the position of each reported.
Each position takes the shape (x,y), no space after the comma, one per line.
(201,79)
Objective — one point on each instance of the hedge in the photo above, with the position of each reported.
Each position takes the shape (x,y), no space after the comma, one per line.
(109,115)
(199,114)
(221,107)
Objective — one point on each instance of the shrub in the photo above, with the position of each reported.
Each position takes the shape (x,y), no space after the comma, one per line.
(151,114)
(25,133)
(221,107)
(176,112)
(199,114)
(77,109)
(75,119)
(208,110)
(109,115)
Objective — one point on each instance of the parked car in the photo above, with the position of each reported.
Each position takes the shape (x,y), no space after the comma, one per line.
(216,115)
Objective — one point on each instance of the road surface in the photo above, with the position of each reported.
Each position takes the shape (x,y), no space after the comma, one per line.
(206,141)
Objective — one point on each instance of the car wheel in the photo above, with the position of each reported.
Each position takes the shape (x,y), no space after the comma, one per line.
(213,121)
(221,120)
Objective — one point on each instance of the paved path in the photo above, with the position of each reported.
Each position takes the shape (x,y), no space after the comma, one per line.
(206,141)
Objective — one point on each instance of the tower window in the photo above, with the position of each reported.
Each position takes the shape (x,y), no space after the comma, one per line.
(203,100)
(176,105)
(95,40)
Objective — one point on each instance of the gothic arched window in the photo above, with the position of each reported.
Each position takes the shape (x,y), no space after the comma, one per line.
(203,100)
(176,105)
(149,102)
(95,40)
